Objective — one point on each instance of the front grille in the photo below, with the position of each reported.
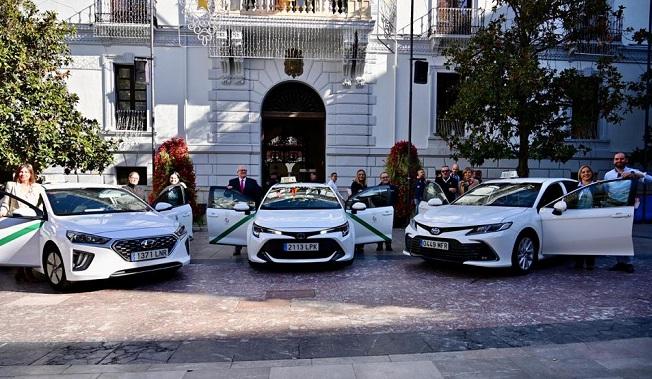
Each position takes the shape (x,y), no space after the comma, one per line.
(457,252)
(124,248)
(274,248)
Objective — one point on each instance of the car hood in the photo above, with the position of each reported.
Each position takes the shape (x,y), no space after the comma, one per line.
(300,219)
(121,225)
(462,215)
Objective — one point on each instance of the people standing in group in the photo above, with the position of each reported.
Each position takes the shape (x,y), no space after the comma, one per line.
(621,170)
(246,186)
(133,186)
(332,182)
(586,176)
(468,181)
(447,183)
(359,183)
(393,190)
(23,187)
(419,188)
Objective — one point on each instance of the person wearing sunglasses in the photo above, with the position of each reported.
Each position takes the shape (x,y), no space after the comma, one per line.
(447,183)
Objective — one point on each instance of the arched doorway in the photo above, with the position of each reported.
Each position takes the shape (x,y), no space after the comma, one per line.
(293,132)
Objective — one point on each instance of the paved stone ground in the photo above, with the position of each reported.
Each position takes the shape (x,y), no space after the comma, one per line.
(220,310)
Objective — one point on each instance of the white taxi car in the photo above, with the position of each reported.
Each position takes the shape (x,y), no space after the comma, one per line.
(516,222)
(296,223)
(87,232)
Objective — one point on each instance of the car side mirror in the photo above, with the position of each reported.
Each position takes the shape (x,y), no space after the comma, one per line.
(241,207)
(559,208)
(162,206)
(435,202)
(24,212)
(357,207)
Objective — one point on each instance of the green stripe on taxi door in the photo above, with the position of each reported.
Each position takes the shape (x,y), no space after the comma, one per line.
(232,228)
(19,233)
(371,228)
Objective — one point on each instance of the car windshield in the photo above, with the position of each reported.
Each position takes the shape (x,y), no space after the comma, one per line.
(502,195)
(300,197)
(76,201)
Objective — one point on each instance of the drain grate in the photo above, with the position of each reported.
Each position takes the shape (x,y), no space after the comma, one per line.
(289,294)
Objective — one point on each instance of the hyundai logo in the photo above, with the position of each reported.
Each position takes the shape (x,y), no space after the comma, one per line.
(147,243)
(301,236)
(435,231)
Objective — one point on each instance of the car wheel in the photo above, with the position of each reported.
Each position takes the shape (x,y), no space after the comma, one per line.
(256,265)
(54,269)
(524,255)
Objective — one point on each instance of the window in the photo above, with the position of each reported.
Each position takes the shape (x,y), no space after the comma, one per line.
(131,96)
(447,87)
(553,192)
(585,107)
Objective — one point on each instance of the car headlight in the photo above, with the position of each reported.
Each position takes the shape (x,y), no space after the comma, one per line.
(257,229)
(344,228)
(91,239)
(480,229)
(413,223)
(181,231)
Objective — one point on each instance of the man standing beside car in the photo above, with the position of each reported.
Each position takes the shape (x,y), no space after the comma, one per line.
(447,183)
(133,186)
(621,170)
(393,190)
(246,186)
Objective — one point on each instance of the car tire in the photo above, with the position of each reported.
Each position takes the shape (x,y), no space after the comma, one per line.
(524,254)
(54,269)
(256,265)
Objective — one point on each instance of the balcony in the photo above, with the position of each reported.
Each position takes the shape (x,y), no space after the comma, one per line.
(445,25)
(449,128)
(598,35)
(122,18)
(131,120)
(296,8)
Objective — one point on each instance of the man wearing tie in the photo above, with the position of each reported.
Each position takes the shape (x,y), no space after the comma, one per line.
(246,186)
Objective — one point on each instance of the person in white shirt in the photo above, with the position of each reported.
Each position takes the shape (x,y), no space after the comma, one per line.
(621,170)
(332,182)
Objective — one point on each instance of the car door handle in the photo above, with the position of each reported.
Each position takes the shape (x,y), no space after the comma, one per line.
(388,213)
(186,215)
(621,215)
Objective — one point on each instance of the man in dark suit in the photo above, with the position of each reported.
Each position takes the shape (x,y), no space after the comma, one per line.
(246,186)
(447,183)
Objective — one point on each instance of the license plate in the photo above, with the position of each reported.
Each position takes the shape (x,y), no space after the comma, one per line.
(439,245)
(301,246)
(149,254)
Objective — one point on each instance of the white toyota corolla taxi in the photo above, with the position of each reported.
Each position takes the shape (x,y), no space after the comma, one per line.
(516,222)
(87,232)
(296,223)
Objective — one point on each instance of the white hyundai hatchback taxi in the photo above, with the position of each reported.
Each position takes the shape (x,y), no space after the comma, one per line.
(296,223)
(87,232)
(516,222)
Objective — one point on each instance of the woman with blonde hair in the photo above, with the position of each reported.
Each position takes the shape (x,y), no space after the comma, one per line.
(359,182)
(468,181)
(585,176)
(23,187)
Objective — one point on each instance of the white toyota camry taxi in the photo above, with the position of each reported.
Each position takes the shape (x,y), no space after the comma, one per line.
(296,223)
(516,222)
(87,232)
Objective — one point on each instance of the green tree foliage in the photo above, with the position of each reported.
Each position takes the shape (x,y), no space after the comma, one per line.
(172,156)
(402,163)
(514,106)
(38,120)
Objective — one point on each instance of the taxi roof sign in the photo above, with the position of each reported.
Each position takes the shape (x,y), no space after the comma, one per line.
(288,179)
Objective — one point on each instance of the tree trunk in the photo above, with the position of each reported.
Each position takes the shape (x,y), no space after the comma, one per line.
(523,153)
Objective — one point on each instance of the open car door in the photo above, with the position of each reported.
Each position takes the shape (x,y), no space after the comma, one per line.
(593,220)
(181,210)
(19,235)
(226,225)
(373,224)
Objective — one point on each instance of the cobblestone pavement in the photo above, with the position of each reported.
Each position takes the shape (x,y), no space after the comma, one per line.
(219,309)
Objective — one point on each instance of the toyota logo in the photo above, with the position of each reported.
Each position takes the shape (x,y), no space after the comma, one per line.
(147,243)
(435,231)
(301,236)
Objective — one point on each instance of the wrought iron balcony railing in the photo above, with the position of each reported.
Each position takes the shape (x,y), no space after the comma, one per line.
(122,11)
(448,128)
(322,8)
(131,120)
(598,35)
(442,22)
